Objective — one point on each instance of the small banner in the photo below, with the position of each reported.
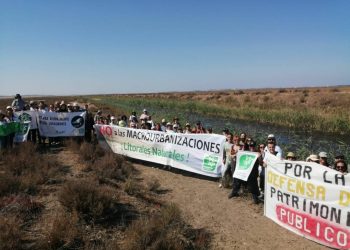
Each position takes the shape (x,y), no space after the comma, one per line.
(22,135)
(9,128)
(65,124)
(310,200)
(244,164)
(28,116)
(198,153)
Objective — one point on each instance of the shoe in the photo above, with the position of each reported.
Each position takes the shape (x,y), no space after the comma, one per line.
(232,194)
(256,199)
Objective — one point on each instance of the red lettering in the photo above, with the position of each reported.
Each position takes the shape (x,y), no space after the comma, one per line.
(314,228)
(106,130)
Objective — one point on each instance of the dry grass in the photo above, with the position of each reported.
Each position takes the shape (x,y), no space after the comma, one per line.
(11,232)
(92,202)
(166,230)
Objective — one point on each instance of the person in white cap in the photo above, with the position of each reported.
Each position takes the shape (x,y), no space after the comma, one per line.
(163,125)
(144,115)
(272,138)
(113,121)
(169,128)
(324,159)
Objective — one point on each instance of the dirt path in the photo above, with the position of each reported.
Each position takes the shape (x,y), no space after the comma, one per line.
(235,223)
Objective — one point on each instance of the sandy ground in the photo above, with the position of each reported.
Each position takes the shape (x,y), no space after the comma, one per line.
(235,223)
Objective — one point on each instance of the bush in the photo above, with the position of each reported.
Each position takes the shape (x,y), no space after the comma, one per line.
(153,185)
(93,203)
(166,230)
(112,166)
(11,233)
(132,187)
(63,232)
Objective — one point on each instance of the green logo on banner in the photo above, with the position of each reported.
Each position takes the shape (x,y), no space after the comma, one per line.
(210,162)
(246,161)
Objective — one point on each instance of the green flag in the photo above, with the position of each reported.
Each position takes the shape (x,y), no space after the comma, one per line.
(8,128)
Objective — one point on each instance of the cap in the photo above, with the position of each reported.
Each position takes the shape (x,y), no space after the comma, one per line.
(8,107)
(188,125)
(163,120)
(291,155)
(176,126)
(31,102)
(112,118)
(75,104)
(323,155)
(69,105)
(144,110)
(271,136)
(62,102)
(169,124)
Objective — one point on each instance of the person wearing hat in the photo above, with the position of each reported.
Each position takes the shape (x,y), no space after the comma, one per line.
(76,107)
(163,125)
(70,107)
(290,156)
(144,115)
(18,103)
(98,117)
(188,129)
(338,156)
(113,121)
(176,121)
(324,159)
(313,158)
(272,138)
(169,128)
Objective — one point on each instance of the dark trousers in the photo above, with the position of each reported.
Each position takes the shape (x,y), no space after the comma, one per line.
(252,184)
(262,180)
(32,135)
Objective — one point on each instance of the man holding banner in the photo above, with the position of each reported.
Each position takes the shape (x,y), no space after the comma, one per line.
(247,170)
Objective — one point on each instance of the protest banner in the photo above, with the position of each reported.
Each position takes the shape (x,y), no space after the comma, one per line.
(9,128)
(244,164)
(198,153)
(22,135)
(310,200)
(28,115)
(65,124)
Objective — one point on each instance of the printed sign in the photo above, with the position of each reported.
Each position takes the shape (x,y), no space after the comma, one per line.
(198,153)
(28,116)
(244,164)
(56,124)
(22,135)
(310,200)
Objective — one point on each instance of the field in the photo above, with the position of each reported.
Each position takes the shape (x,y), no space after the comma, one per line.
(81,197)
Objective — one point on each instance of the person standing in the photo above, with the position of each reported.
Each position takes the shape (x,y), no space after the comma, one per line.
(18,103)
(89,124)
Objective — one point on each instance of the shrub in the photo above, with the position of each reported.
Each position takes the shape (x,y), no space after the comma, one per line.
(93,203)
(153,185)
(166,230)
(132,187)
(113,166)
(11,233)
(63,232)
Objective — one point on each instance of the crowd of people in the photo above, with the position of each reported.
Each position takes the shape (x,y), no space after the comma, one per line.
(234,142)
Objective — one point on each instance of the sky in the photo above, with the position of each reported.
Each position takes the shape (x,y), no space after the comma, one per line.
(66,47)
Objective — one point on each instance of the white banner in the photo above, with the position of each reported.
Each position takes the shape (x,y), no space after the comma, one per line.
(27,115)
(56,124)
(198,153)
(309,199)
(244,164)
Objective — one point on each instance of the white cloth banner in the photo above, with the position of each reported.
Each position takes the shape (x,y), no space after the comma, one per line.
(198,153)
(310,200)
(23,135)
(56,124)
(244,164)
(28,115)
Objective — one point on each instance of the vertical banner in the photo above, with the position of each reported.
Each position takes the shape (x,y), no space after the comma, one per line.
(198,153)
(244,164)
(65,124)
(310,200)
(22,135)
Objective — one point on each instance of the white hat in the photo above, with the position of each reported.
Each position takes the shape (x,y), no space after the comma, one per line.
(323,155)
(169,124)
(175,125)
(112,118)
(144,110)
(75,104)
(8,107)
(163,120)
(270,136)
(312,158)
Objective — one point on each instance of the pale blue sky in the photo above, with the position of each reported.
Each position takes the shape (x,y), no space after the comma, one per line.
(87,47)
